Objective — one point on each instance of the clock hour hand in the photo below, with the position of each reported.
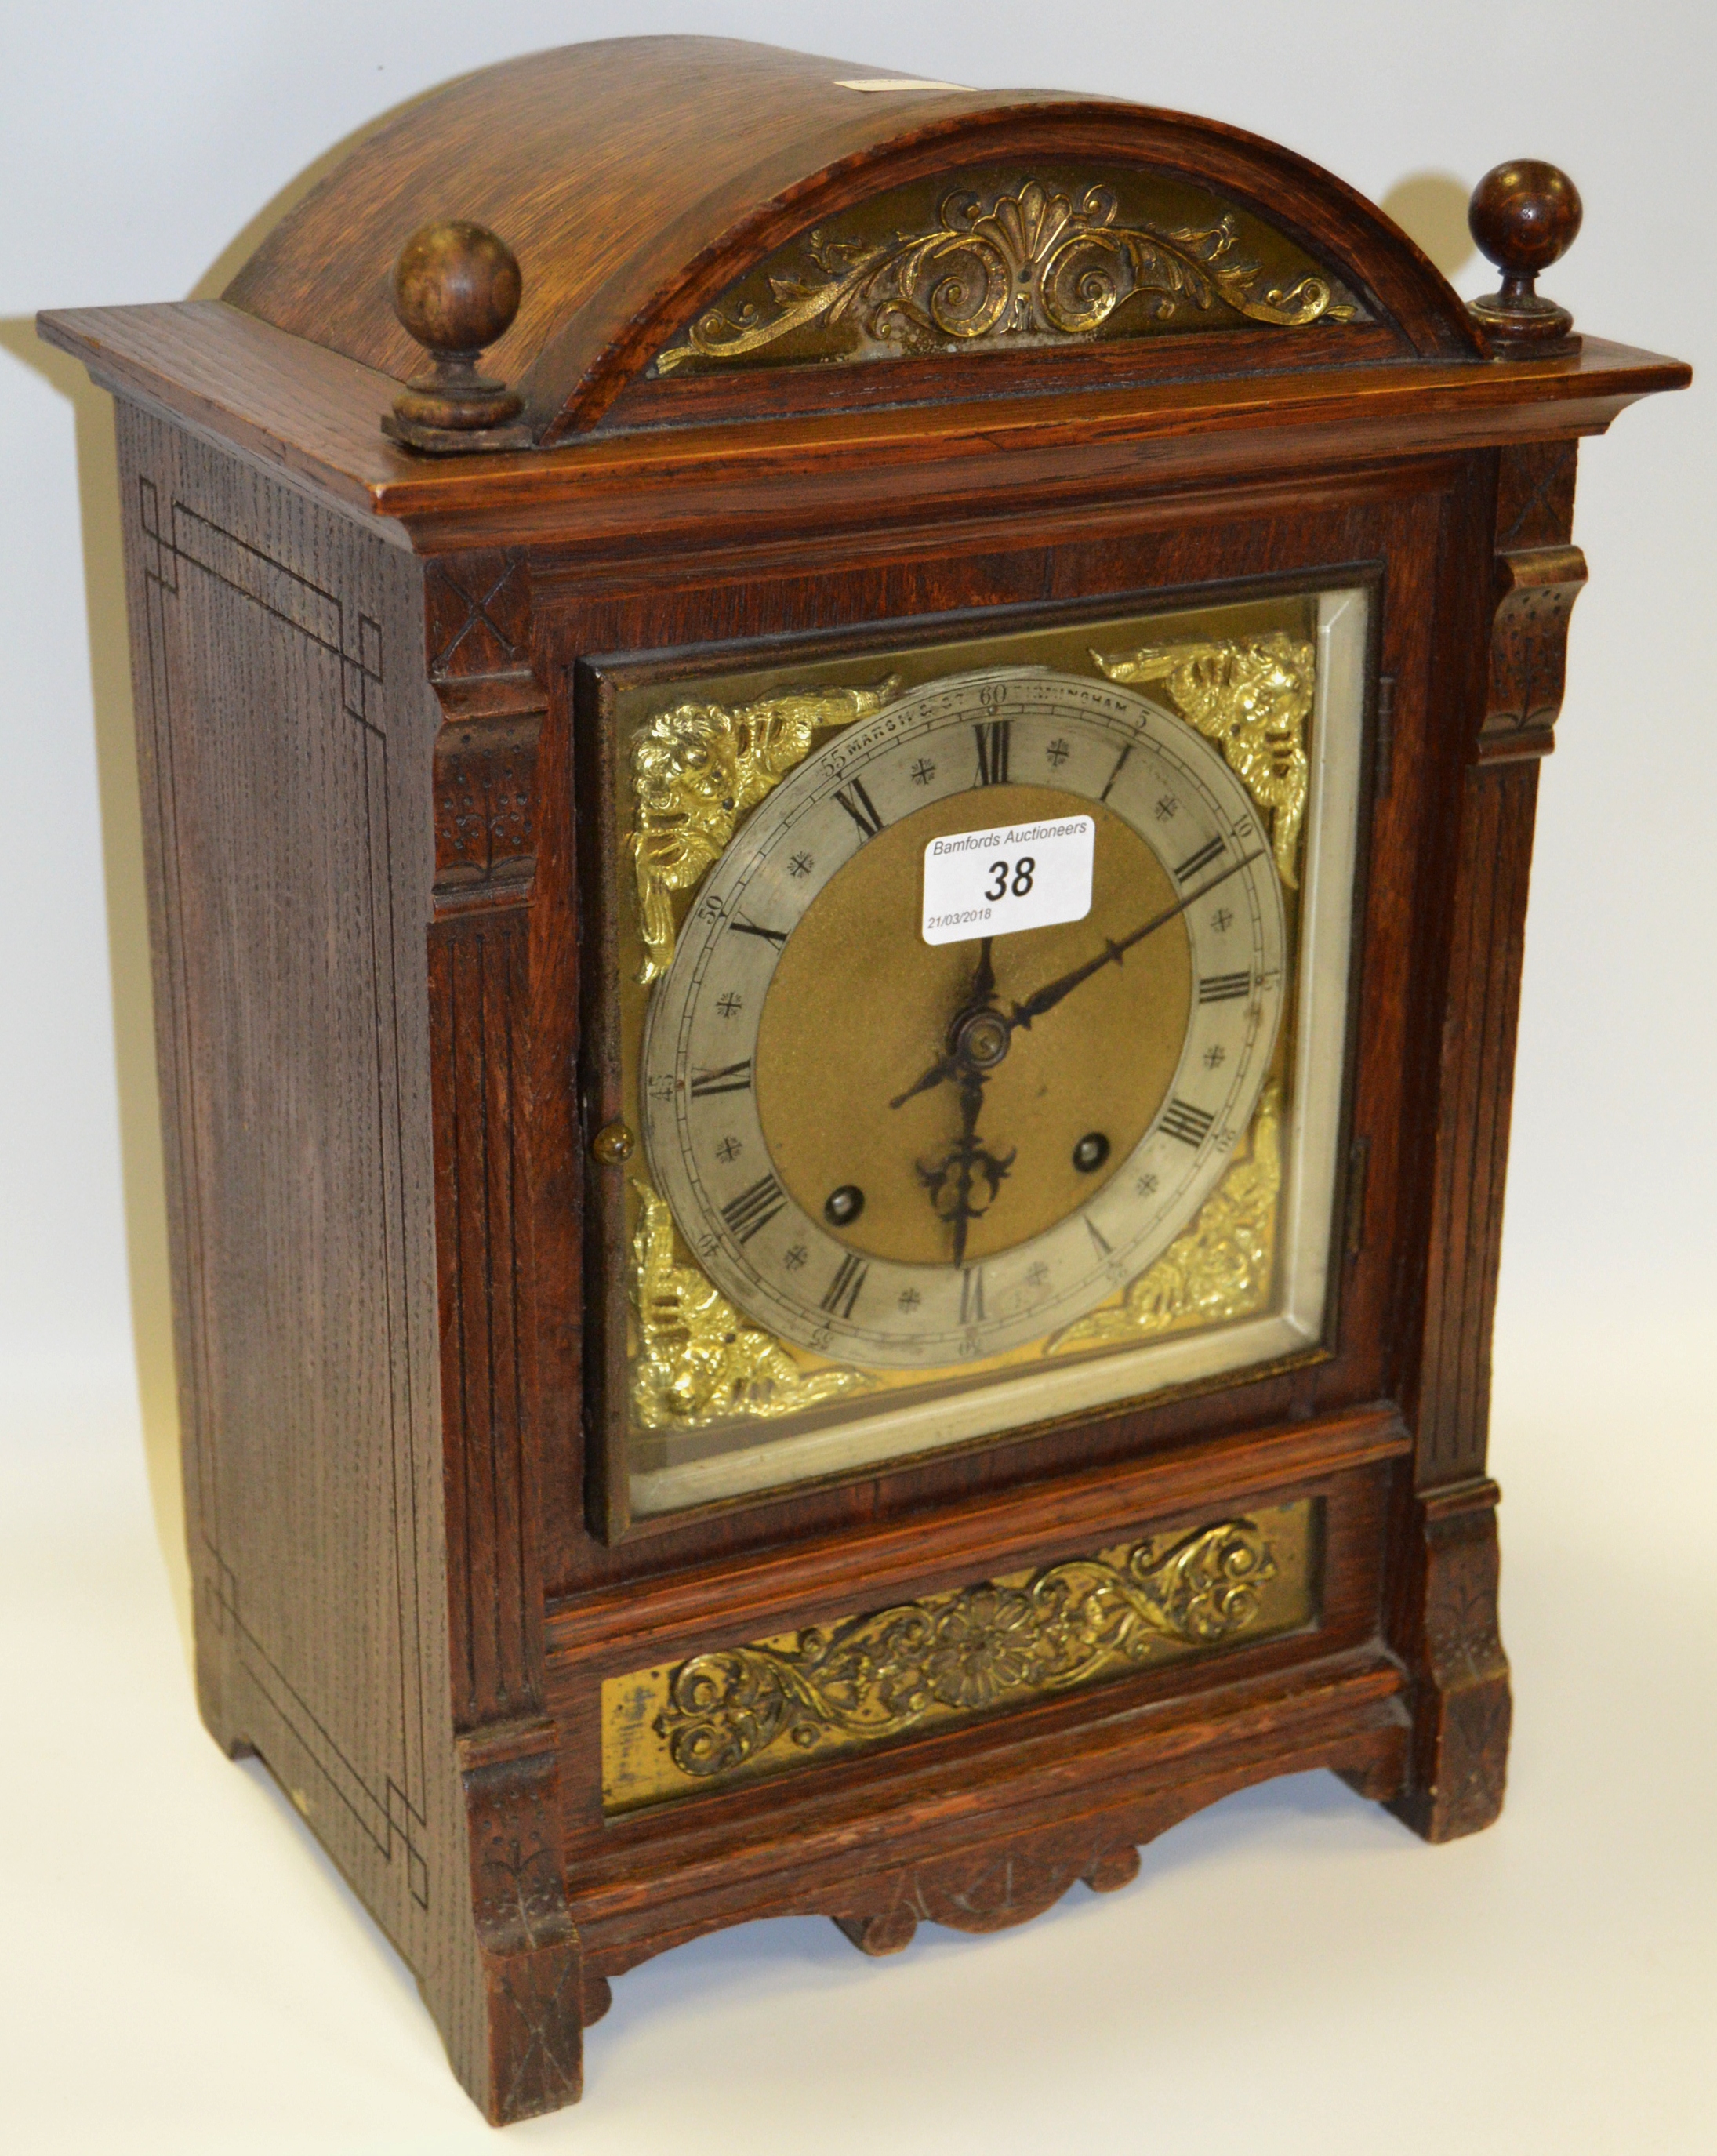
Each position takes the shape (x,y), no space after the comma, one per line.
(952,1179)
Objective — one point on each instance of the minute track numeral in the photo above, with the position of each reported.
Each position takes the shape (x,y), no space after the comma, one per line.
(844,1289)
(1190,1125)
(1194,863)
(754,1208)
(995,740)
(731,1078)
(1223,988)
(859,805)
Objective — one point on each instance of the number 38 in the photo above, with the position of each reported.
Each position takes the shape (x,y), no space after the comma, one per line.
(1022,875)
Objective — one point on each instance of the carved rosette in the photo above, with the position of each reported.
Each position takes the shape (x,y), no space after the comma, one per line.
(1252,697)
(697,768)
(1029,265)
(961,1654)
(698,1362)
(1221,1267)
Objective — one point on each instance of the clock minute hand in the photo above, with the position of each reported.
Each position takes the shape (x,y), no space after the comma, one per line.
(1047,998)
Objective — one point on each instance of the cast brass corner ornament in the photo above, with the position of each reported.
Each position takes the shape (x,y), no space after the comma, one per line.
(716,1717)
(1220,1269)
(698,1361)
(1253,695)
(697,768)
(1032,265)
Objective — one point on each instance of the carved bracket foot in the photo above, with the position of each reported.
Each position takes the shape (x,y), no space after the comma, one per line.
(1462,1707)
(537,1999)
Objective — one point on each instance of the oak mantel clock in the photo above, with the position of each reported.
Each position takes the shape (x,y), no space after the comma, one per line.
(839,775)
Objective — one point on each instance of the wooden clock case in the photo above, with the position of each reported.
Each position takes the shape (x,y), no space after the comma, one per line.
(366,691)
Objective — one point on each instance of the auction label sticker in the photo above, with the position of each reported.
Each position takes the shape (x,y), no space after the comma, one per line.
(996,883)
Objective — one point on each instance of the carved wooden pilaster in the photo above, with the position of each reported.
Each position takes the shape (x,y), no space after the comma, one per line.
(1538,576)
(1448,1630)
(532,2005)
(485,813)
(477,609)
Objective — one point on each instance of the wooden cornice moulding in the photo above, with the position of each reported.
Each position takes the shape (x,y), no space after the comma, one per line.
(317,416)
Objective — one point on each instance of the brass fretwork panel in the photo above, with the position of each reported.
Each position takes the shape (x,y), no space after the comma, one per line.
(733,1714)
(994,260)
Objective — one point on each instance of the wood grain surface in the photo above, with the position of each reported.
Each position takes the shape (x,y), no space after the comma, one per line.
(378,771)
(635,179)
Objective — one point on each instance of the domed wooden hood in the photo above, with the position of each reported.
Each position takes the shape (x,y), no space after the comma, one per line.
(690,213)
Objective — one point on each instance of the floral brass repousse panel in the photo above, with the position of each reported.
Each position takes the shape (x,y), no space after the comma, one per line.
(734,1714)
(697,768)
(698,1361)
(1005,260)
(1252,697)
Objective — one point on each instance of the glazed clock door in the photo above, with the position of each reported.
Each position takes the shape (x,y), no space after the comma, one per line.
(981,1009)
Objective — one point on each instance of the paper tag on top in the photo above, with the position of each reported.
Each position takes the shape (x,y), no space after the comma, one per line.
(998,882)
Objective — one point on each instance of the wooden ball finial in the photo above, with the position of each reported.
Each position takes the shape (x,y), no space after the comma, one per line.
(1524,215)
(456,289)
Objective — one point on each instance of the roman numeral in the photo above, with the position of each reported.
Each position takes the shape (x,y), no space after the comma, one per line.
(731,1078)
(859,805)
(994,739)
(1103,1249)
(1223,988)
(1120,766)
(972,1297)
(754,1208)
(1190,1125)
(1201,859)
(778,937)
(844,1288)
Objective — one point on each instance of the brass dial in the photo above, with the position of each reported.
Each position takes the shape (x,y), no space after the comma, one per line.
(903,1153)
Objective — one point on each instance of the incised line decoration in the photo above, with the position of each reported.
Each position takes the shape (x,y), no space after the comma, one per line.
(1220,1269)
(1033,266)
(697,768)
(716,1717)
(698,1362)
(1252,695)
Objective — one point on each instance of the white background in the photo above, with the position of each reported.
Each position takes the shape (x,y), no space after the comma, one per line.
(1294,1971)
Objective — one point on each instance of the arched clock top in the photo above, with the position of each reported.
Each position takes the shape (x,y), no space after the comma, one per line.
(684,206)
